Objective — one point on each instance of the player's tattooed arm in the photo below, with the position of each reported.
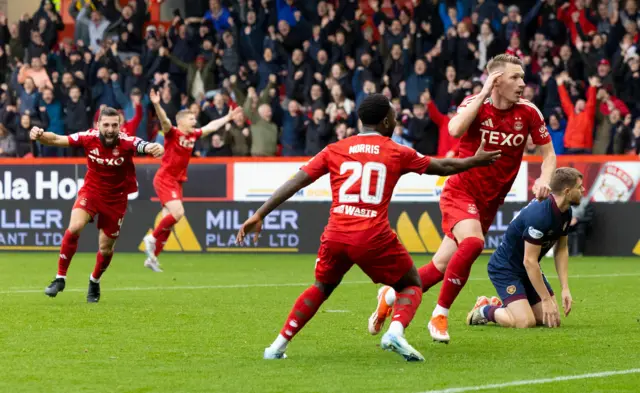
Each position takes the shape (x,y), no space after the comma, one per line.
(215,125)
(550,315)
(561,257)
(162,115)
(451,166)
(48,138)
(286,191)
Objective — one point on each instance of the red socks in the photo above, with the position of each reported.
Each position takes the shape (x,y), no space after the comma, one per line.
(303,310)
(162,232)
(407,303)
(459,269)
(430,276)
(67,251)
(102,263)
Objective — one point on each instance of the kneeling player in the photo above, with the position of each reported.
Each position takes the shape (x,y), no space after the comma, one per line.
(514,268)
(364,170)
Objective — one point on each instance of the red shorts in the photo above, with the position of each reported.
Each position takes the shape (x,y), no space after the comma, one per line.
(457,206)
(110,214)
(167,189)
(386,264)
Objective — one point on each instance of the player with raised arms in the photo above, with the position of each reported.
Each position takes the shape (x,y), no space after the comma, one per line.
(110,178)
(179,143)
(364,170)
(514,269)
(499,117)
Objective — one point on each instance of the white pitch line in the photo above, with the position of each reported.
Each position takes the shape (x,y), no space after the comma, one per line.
(275,285)
(603,374)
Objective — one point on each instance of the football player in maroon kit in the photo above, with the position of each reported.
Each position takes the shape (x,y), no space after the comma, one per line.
(109,180)
(501,118)
(364,170)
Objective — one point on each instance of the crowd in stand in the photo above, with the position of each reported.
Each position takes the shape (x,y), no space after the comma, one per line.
(300,68)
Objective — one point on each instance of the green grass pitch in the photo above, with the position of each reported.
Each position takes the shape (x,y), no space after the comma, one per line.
(202,326)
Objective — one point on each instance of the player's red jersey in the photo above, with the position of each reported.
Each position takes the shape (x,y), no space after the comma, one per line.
(364,170)
(505,130)
(111,172)
(178,147)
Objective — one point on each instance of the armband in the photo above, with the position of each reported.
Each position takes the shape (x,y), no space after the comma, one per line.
(141,147)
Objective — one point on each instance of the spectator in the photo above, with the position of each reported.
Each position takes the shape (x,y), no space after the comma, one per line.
(52,109)
(103,91)
(418,81)
(76,111)
(338,100)
(579,133)
(27,95)
(97,25)
(200,76)
(238,136)
(447,144)
(293,131)
(422,130)
(556,128)
(318,133)
(218,147)
(401,136)
(264,133)
(7,143)
(37,73)
(219,16)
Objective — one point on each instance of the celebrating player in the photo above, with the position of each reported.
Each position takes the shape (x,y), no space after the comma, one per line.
(179,142)
(110,178)
(364,170)
(514,269)
(469,201)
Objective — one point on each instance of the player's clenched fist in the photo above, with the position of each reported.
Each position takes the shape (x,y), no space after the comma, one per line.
(36,133)
(155,149)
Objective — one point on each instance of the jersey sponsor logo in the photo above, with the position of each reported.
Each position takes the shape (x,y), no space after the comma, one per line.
(487,123)
(534,233)
(355,211)
(107,161)
(186,142)
(543,131)
(95,152)
(501,138)
(511,289)
(472,209)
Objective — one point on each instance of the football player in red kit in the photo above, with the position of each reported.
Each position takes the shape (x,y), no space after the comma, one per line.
(109,180)
(179,142)
(499,117)
(364,170)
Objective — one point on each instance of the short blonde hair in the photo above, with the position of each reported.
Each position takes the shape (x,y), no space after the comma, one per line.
(500,61)
(564,177)
(183,113)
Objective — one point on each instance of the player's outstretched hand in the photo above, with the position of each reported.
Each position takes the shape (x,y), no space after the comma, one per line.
(253,224)
(484,157)
(540,190)
(155,149)
(567,301)
(36,133)
(490,83)
(550,314)
(154,97)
